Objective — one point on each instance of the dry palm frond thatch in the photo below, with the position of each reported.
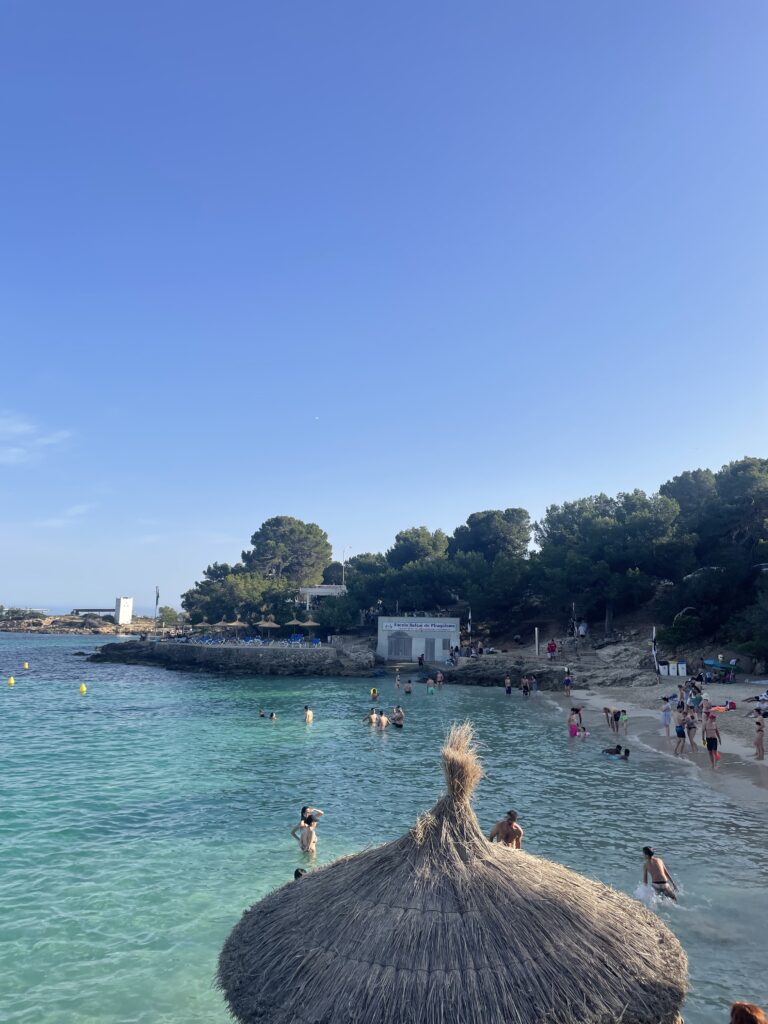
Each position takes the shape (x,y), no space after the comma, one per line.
(442,927)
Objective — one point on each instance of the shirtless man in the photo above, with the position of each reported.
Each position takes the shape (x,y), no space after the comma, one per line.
(383,719)
(408,688)
(711,736)
(655,869)
(508,832)
(309,715)
(372,718)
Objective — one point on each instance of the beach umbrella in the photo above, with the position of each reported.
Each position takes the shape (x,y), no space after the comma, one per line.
(268,624)
(293,622)
(442,926)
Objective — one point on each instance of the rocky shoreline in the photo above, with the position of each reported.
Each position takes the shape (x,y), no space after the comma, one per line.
(243,660)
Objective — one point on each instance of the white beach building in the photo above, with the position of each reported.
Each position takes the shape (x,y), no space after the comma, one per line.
(404,639)
(123,611)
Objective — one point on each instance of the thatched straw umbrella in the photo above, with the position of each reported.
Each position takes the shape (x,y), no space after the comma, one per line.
(442,927)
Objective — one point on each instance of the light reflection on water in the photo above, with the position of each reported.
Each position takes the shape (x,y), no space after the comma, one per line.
(138,821)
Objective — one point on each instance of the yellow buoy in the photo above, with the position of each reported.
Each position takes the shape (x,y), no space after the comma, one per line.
(83,688)
(11,681)
(26,665)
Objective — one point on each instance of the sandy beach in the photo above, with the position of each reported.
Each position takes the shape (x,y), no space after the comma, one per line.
(739,775)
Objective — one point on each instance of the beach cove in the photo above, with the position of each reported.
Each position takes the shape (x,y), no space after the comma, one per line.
(141,819)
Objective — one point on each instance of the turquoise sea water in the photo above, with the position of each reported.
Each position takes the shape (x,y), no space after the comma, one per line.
(138,821)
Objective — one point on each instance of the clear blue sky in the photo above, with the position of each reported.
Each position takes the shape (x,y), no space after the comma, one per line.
(371,265)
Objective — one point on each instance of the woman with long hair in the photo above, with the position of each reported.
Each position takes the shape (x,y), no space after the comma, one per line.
(747,1013)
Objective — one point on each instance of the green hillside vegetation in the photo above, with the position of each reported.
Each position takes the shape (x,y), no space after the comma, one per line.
(695,554)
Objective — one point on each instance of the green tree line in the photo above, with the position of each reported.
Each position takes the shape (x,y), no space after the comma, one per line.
(697,550)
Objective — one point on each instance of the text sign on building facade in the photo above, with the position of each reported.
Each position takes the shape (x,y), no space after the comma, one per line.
(420,625)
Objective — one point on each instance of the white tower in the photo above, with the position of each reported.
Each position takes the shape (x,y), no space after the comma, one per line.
(123,611)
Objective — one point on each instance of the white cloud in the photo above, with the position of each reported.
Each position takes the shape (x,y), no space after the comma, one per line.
(22,440)
(67,518)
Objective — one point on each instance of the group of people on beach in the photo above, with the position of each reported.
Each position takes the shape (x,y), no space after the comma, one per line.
(693,710)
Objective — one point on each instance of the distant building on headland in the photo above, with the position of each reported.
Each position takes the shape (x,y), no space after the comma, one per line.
(404,639)
(123,611)
(310,594)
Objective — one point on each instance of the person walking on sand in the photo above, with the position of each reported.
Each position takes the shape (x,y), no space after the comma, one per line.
(760,739)
(655,869)
(508,832)
(680,718)
(691,725)
(711,736)
(309,715)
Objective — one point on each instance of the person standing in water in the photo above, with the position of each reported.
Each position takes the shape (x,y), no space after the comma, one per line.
(508,832)
(666,714)
(680,718)
(305,833)
(655,869)
(760,739)
(567,683)
(397,680)
(309,715)
(525,685)
(439,679)
(383,719)
(711,736)
(372,718)
(507,686)
(408,688)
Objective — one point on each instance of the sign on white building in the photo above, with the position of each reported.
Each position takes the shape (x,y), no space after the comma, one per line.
(404,639)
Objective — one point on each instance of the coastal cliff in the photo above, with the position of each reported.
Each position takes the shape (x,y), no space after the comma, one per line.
(245,660)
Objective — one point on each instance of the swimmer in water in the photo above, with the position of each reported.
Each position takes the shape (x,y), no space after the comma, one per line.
(625,755)
(655,869)
(383,720)
(612,750)
(372,718)
(309,715)
(262,713)
(507,832)
(272,716)
(408,688)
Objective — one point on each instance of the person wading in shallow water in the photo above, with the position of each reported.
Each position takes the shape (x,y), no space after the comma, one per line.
(508,832)
(655,869)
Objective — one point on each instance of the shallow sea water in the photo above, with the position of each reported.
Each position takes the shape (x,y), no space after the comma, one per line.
(138,821)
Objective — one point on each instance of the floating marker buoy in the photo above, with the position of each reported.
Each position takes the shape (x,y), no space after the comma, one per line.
(83,688)
(11,681)
(25,666)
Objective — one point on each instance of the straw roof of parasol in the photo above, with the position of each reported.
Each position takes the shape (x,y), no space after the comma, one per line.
(293,622)
(267,624)
(309,623)
(443,926)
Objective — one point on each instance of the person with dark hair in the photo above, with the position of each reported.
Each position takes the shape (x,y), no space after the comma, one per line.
(309,715)
(305,834)
(747,1013)
(655,869)
(625,755)
(711,735)
(507,831)
(612,750)
(298,873)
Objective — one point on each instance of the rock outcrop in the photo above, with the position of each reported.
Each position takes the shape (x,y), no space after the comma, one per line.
(245,660)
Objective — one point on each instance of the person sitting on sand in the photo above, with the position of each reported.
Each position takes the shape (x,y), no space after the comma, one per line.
(372,718)
(309,715)
(612,750)
(655,869)
(305,833)
(759,698)
(508,832)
